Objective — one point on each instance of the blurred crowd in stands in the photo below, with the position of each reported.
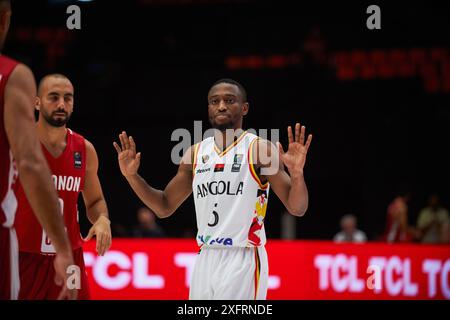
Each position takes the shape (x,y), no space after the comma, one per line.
(432,225)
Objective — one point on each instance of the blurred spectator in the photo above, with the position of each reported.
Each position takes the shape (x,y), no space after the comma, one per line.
(147,226)
(397,229)
(349,232)
(431,220)
(445,233)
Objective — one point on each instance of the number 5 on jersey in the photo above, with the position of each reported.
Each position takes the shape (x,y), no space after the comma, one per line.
(216,218)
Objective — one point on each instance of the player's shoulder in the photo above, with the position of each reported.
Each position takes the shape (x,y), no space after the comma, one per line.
(7,59)
(8,65)
(75,134)
(262,143)
(89,146)
(21,76)
(91,156)
(251,135)
(204,141)
(20,71)
(80,139)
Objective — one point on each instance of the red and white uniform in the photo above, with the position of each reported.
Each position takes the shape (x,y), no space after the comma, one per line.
(68,172)
(9,266)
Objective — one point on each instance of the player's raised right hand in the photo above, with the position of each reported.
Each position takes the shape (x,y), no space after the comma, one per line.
(129,161)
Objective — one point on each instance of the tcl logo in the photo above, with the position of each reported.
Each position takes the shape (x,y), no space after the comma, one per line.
(392,275)
(135,270)
(340,271)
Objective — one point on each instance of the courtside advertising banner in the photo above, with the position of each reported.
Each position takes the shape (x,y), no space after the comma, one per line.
(299,270)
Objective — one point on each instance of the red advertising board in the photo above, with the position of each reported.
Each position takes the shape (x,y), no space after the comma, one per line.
(161,269)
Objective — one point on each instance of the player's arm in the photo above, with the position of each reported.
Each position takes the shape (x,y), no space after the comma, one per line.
(33,169)
(291,189)
(96,208)
(162,202)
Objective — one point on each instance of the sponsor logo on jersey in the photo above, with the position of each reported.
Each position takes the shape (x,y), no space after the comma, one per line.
(238,158)
(203,170)
(237,161)
(236,167)
(219,167)
(217,241)
(205,158)
(218,188)
(67,183)
(77,160)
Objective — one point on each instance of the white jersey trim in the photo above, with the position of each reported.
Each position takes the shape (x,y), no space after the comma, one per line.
(9,203)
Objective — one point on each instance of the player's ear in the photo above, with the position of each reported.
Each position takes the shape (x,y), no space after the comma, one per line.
(37,104)
(245,108)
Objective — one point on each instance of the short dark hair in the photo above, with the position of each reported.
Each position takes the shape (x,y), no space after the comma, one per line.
(52,75)
(234,82)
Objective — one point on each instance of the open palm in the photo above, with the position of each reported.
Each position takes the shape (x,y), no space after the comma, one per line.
(129,160)
(295,157)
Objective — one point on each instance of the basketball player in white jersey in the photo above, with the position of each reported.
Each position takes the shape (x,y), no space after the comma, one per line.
(225,174)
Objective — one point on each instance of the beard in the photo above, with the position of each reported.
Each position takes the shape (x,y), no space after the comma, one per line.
(222,126)
(56,122)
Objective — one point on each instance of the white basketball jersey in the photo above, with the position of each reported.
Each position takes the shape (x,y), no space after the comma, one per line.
(230,200)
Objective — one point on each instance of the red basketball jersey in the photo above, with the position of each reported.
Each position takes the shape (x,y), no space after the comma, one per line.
(68,172)
(8,171)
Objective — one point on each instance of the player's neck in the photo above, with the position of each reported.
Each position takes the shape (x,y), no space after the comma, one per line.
(50,135)
(225,138)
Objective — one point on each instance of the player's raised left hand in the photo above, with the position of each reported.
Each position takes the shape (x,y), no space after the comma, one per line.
(295,157)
